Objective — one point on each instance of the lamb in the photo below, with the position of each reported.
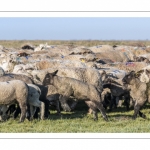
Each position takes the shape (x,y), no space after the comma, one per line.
(14,91)
(139,91)
(33,100)
(67,87)
(116,92)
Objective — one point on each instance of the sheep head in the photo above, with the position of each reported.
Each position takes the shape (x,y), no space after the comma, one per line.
(48,79)
(129,77)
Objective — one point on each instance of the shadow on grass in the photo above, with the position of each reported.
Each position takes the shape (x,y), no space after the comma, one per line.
(125,117)
(68,115)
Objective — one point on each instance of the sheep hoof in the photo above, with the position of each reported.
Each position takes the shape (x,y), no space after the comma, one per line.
(20,121)
(109,110)
(134,117)
(144,116)
(31,119)
(106,119)
(95,119)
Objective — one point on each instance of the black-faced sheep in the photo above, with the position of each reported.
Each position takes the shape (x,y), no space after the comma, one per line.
(67,87)
(139,91)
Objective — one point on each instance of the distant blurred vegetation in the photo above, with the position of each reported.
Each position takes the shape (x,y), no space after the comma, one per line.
(88,43)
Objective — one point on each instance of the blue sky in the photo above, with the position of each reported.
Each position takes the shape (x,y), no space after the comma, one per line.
(72,28)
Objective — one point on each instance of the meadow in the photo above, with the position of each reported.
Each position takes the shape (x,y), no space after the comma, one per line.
(78,121)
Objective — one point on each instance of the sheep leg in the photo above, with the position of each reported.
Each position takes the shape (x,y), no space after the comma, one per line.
(117,101)
(73,105)
(92,106)
(32,111)
(127,101)
(112,102)
(4,109)
(42,110)
(142,115)
(46,114)
(63,101)
(136,111)
(55,103)
(57,106)
(23,107)
(137,107)
(28,113)
(36,113)
(102,110)
(41,105)
(11,109)
(17,112)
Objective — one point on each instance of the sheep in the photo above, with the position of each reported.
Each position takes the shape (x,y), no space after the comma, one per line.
(81,51)
(118,74)
(87,75)
(101,48)
(139,91)
(33,101)
(117,91)
(115,55)
(28,80)
(58,63)
(12,76)
(116,88)
(14,91)
(27,47)
(7,64)
(128,66)
(69,86)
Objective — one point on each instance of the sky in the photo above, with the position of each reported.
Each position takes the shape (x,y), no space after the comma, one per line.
(74,28)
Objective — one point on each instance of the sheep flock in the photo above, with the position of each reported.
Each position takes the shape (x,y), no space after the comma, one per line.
(33,78)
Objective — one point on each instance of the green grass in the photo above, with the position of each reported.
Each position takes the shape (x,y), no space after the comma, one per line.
(120,121)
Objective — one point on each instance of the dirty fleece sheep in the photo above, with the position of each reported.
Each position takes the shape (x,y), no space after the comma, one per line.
(117,90)
(28,80)
(33,101)
(14,91)
(139,91)
(67,87)
(87,75)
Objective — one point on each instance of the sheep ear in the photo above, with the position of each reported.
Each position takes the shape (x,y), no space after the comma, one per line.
(141,71)
(54,73)
(147,71)
(132,73)
(137,74)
